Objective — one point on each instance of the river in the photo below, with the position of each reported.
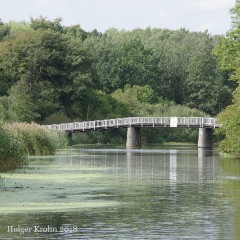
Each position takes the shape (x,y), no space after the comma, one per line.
(165,192)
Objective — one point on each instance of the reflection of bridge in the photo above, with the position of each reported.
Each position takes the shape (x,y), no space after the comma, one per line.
(172,164)
(178,164)
(134,125)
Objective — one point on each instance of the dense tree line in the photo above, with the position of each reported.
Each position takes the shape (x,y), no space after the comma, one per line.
(51,73)
(178,65)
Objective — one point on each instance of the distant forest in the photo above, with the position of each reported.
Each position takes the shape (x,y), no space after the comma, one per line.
(50,73)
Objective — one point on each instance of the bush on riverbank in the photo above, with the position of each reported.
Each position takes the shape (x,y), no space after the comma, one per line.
(21,139)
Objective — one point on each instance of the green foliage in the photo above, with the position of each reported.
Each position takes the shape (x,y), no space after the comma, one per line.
(4,30)
(53,66)
(138,101)
(3,110)
(50,73)
(36,139)
(42,23)
(142,101)
(178,65)
(230,118)
(204,85)
(17,28)
(76,31)
(57,118)
(11,149)
(120,58)
(65,67)
(20,139)
(130,95)
(228,47)
(115,136)
(20,103)
(97,105)
(228,52)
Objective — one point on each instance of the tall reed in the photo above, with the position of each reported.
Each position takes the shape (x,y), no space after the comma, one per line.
(21,139)
(11,149)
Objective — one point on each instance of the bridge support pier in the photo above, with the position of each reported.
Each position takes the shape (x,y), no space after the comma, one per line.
(134,137)
(205,138)
(69,137)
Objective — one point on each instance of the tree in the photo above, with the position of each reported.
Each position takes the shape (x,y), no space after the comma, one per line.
(54,66)
(4,30)
(119,58)
(20,104)
(133,96)
(178,65)
(204,84)
(43,23)
(76,31)
(228,52)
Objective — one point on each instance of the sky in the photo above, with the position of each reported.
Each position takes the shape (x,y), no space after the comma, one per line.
(194,15)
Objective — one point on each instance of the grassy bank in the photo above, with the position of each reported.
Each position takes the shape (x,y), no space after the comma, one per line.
(22,139)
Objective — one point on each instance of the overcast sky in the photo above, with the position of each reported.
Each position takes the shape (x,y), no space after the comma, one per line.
(195,15)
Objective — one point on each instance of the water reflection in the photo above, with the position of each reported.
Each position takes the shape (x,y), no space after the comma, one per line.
(173,166)
(164,165)
(173,170)
(172,193)
(205,162)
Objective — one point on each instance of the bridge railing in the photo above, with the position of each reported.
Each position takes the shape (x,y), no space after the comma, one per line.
(137,121)
(143,120)
(198,121)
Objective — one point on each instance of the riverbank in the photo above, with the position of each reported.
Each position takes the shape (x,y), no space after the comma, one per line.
(18,140)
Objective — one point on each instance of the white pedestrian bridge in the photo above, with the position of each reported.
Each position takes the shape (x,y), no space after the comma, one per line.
(134,125)
(193,122)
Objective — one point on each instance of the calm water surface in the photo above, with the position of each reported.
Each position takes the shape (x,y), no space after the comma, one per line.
(174,192)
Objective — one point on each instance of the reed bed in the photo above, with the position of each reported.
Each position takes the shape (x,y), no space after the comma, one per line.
(23,139)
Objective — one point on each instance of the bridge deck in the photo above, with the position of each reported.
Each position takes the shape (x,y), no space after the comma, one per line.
(193,122)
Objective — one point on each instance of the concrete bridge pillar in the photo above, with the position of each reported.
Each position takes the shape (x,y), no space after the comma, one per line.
(205,138)
(69,137)
(134,137)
